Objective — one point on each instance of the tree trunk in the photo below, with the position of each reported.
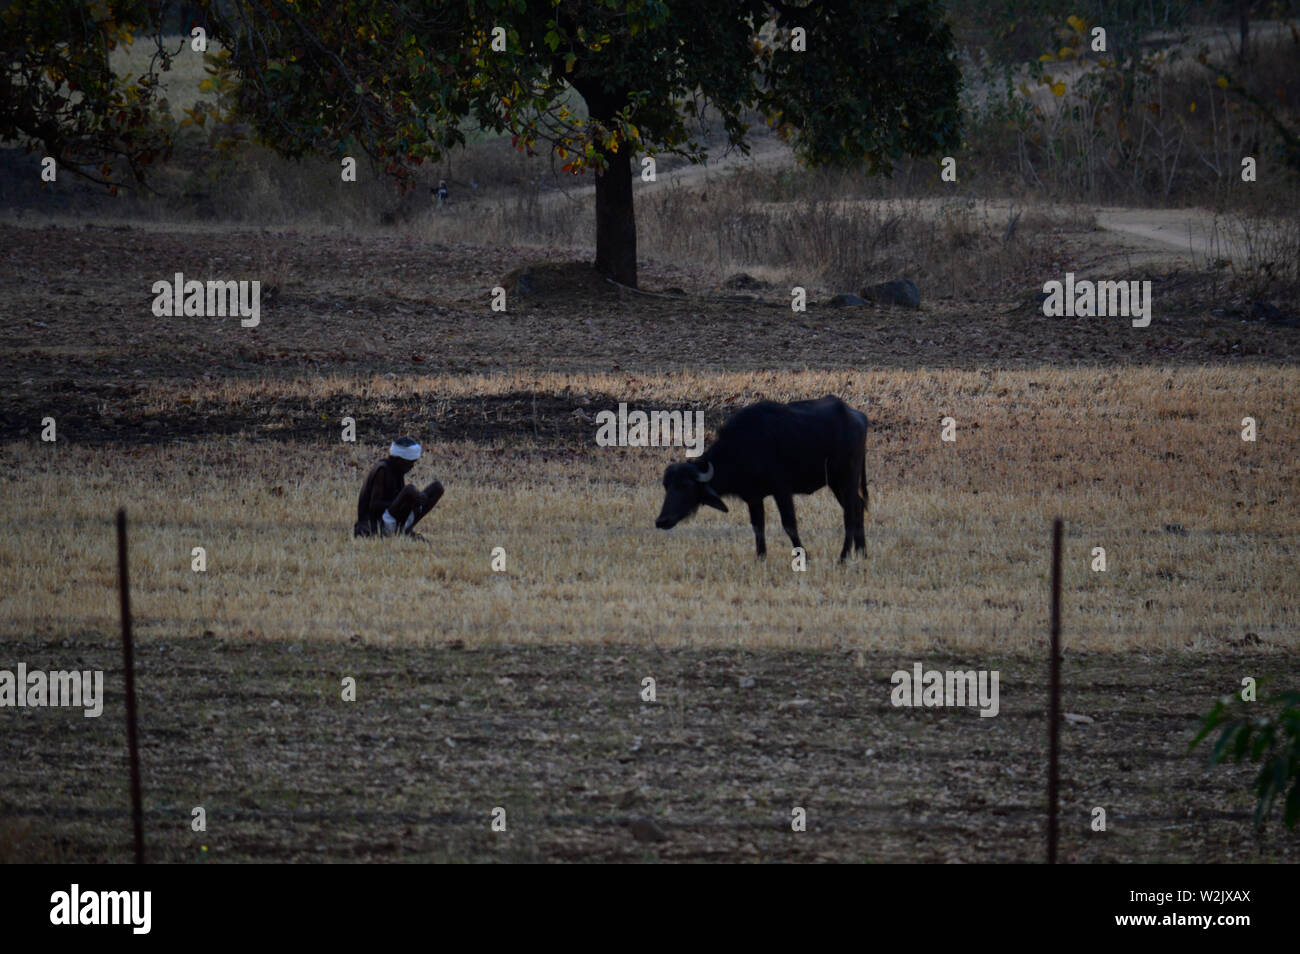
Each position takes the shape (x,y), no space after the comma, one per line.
(616,219)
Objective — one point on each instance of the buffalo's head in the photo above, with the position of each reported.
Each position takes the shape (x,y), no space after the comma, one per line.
(686,486)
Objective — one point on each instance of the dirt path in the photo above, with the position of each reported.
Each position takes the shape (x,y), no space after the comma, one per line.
(1189,237)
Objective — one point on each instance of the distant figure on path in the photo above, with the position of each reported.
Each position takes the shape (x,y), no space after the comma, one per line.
(441,192)
(388,504)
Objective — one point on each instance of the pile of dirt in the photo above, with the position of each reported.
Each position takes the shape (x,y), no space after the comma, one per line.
(558,281)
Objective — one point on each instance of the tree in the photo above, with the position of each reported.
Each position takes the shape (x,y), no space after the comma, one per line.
(58,91)
(866,81)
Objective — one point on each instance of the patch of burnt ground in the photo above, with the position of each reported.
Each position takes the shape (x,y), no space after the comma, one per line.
(111,415)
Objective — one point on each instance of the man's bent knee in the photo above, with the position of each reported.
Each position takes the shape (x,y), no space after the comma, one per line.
(432,494)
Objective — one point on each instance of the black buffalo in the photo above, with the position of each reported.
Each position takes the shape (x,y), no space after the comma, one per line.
(778,450)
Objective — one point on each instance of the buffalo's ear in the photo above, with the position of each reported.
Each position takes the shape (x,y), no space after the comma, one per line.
(709,497)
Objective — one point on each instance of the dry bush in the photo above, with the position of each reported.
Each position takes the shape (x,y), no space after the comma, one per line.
(830,230)
(842,241)
(1149,132)
(1267,263)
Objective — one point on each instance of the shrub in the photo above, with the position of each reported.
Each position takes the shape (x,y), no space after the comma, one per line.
(1268,732)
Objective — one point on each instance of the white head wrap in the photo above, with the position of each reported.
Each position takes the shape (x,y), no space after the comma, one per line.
(406,453)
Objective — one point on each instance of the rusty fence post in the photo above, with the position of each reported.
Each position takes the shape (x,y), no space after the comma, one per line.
(128,665)
(1054,701)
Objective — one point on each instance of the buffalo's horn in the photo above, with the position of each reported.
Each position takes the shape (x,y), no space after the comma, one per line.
(705,477)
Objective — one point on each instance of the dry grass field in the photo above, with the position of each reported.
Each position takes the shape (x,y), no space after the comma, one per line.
(1198,526)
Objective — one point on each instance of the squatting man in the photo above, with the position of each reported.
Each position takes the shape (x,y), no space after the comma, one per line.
(387,503)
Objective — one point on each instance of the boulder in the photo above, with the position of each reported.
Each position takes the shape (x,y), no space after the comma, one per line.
(1268,312)
(744,282)
(901,292)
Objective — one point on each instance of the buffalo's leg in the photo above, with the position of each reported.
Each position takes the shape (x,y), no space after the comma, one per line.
(847,504)
(756,521)
(852,508)
(785,504)
(860,531)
